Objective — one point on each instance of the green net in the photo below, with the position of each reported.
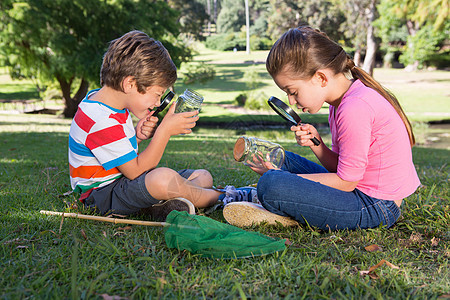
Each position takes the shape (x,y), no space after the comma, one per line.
(210,238)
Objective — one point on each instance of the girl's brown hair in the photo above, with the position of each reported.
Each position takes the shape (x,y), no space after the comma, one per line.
(302,51)
(136,54)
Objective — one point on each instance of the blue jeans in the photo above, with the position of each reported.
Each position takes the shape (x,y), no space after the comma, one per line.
(284,193)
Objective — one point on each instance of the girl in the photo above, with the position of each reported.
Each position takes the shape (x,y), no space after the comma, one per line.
(368,170)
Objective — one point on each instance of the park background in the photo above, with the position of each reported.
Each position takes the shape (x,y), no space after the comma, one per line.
(50,55)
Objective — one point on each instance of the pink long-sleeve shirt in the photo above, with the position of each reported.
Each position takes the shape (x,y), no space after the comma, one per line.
(373,145)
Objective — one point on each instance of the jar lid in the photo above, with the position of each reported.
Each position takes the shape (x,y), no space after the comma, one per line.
(239,149)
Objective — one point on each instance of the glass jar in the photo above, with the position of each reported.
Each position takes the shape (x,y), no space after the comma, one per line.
(254,152)
(188,101)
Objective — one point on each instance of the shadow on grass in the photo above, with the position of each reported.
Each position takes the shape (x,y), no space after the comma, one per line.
(221,83)
(431,80)
(25,152)
(17,96)
(35,148)
(4,123)
(428,157)
(34,170)
(229,78)
(267,121)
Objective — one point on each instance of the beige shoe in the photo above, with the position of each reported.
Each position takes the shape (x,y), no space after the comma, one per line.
(243,214)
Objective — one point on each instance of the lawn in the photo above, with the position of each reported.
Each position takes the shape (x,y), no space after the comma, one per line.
(49,257)
(43,257)
(424,94)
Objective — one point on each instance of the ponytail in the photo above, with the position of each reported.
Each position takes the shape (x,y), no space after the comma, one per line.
(303,50)
(368,81)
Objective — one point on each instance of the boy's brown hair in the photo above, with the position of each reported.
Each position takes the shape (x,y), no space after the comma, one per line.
(136,54)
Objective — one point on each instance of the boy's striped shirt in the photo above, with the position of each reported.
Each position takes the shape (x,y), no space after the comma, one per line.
(101,139)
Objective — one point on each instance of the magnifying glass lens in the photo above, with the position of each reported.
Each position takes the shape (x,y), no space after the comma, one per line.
(285,114)
(164,102)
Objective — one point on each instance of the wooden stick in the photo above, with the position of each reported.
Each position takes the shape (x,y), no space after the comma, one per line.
(104,219)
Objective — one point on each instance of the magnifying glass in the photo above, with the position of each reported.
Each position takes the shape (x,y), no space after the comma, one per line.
(287,113)
(164,102)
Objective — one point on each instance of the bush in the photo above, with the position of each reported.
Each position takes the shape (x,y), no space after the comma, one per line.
(225,42)
(440,60)
(51,94)
(257,100)
(199,72)
(251,78)
(422,46)
(261,43)
(241,99)
(231,40)
(254,100)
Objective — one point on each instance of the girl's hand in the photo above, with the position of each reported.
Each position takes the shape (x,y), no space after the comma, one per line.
(146,126)
(181,123)
(263,167)
(304,133)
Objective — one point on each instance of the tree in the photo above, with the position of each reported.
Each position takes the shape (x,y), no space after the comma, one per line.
(192,16)
(358,29)
(64,40)
(247,27)
(231,16)
(426,24)
(354,25)
(282,16)
(371,49)
(321,14)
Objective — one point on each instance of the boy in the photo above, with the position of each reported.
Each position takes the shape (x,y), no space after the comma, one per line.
(105,166)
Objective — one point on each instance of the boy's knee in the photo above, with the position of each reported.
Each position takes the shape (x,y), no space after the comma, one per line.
(163,183)
(202,177)
(159,177)
(204,173)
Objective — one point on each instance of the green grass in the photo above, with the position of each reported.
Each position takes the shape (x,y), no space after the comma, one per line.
(44,257)
(11,90)
(424,95)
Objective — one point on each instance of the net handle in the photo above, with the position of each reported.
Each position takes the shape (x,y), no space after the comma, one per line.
(104,219)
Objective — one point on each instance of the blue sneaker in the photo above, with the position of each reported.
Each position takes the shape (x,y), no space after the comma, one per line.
(242,194)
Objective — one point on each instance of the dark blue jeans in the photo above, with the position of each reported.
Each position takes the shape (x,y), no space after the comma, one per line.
(284,193)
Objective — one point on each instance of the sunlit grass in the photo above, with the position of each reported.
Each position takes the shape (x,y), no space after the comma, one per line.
(47,257)
(16,89)
(423,94)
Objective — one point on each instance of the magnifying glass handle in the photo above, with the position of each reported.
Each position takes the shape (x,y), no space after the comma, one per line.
(315,141)
(156,112)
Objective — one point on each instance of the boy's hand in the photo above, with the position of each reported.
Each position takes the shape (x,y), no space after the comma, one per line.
(146,126)
(181,123)
(304,133)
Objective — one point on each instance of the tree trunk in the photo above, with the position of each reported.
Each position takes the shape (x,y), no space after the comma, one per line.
(412,27)
(247,25)
(71,104)
(208,12)
(357,57)
(369,60)
(215,12)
